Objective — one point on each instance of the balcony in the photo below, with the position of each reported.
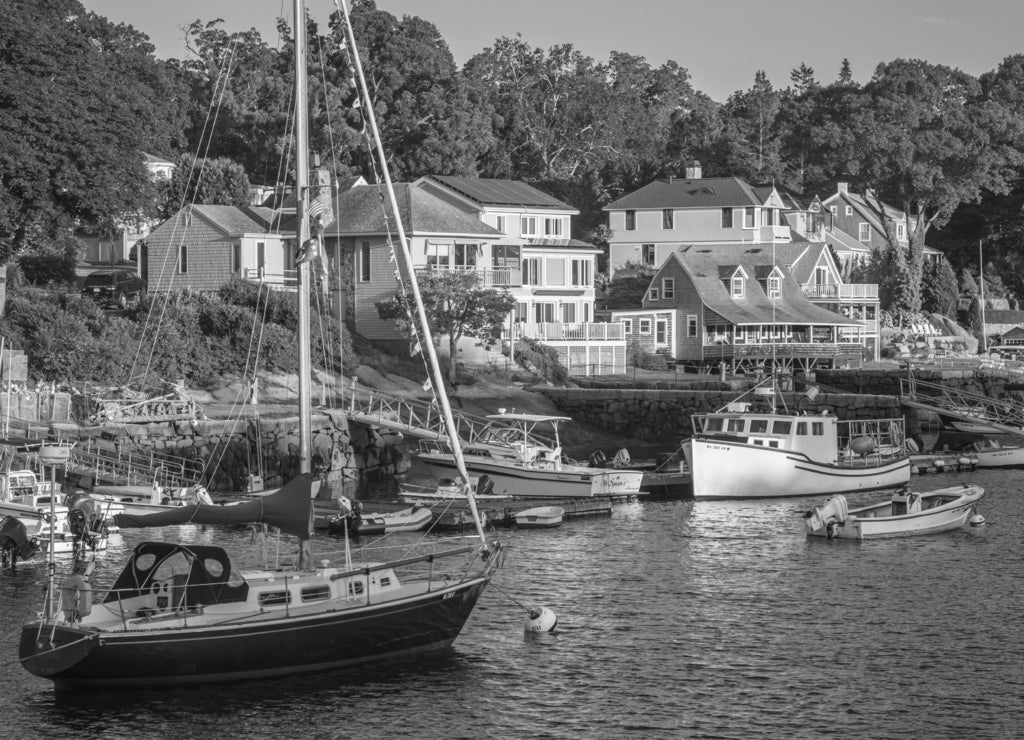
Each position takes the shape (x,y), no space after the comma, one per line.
(774,234)
(492,277)
(845,292)
(781,349)
(285,280)
(557,331)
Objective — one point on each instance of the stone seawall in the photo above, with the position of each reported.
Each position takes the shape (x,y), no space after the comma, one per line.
(233,449)
(990,382)
(663,416)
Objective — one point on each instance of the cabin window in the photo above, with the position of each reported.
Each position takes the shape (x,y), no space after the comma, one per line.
(385,581)
(818,428)
(214,567)
(758,426)
(355,588)
(274,598)
(667,218)
(316,593)
(801,428)
(630,220)
(713,425)
(145,562)
(773,443)
(735,425)
(782,427)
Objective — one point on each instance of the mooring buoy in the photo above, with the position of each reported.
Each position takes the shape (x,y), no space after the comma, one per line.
(540,619)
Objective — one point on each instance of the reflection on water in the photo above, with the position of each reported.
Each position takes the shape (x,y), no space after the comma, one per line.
(676,619)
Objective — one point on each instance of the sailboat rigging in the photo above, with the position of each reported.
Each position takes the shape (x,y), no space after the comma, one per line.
(182,614)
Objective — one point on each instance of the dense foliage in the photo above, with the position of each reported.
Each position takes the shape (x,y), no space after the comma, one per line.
(945,147)
(197,337)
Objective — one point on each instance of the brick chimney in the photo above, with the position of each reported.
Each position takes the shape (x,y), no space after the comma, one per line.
(843,187)
(693,171)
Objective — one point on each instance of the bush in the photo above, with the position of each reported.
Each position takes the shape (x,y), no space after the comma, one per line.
(543,358)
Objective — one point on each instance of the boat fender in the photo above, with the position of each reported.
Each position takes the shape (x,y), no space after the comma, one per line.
(76,597)
(540,619)
(912,447)
(597,459)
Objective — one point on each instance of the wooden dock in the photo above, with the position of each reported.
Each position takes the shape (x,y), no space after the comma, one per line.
(942,462)
(455,517)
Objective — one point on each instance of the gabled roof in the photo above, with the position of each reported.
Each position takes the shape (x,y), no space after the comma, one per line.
(362,209)
(492,192)
(237,220)
(703,265)
(706,192)
(284,198)
(843,242)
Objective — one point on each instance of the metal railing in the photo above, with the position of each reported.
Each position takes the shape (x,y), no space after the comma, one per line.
(285,279)
(593,331)
(492,277)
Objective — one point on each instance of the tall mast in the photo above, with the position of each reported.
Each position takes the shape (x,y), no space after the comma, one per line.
(302,236)
(981,299)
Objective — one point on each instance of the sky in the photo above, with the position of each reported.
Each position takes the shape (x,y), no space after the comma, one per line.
(722,43)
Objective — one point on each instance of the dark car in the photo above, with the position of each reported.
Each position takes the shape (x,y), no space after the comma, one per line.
(114,288)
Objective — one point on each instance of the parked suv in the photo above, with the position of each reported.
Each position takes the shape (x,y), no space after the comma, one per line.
(114,288)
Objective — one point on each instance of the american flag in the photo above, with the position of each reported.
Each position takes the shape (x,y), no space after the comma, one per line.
(315,208)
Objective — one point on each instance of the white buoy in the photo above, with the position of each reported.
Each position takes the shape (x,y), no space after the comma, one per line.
(977,520)
(540,619)
(939,464)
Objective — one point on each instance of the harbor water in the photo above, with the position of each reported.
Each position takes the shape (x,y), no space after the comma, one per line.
(676,619)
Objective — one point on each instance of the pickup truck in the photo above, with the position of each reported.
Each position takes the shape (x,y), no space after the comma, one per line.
(114,288)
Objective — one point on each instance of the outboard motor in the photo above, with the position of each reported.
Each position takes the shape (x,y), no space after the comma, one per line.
(828,516)
(15,542)
(484,486)
(85,520)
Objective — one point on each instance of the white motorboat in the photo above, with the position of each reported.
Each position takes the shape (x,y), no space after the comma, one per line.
(740,452)
(902,515)
(449,490)
(991,453)
(523,464)
(352,520)
(540,517)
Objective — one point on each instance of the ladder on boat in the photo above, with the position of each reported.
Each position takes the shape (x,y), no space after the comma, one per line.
(1004,415)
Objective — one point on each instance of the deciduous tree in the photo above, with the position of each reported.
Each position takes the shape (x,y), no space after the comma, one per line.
(458,305)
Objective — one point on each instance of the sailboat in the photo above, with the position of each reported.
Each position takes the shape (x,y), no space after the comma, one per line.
(182,614)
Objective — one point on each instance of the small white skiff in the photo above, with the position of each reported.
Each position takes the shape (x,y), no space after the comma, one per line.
(540,517)
(902,515)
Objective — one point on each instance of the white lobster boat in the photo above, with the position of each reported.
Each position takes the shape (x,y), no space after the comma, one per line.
(991,453)
(902,515)
(739,452)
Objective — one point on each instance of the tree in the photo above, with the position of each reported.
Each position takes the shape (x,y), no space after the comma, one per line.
(845,77)
(219,181)
(549,110)
(753,147)
(457,304)
(939,291)
(81,100)
(927,141)
(627,290)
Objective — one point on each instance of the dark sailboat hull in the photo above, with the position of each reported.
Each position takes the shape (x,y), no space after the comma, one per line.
(73,657)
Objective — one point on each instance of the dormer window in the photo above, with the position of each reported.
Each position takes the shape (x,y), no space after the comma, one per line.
(737,287)
(774,287)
